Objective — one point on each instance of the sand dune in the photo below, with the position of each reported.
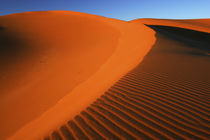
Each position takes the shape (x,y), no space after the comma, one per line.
(57,52)
(69,75)
(164,97)
(43,57)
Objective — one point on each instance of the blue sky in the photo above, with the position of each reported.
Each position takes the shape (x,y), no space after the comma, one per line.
(120,9)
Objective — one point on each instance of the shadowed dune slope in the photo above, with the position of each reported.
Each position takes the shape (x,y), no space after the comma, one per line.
(195,39)
(193,24)
(45,56)
(164,97)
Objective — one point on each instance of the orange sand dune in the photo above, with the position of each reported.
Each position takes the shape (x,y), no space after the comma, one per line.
(47,55)
(69,75)
(164,97)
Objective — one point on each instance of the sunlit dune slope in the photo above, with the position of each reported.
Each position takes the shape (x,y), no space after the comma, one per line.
(45,56)
(164,97)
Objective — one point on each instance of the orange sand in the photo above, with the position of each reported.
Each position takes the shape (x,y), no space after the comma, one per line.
(59,62)
(59,52)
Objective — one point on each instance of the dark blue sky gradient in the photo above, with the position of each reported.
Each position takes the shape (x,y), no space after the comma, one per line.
(120,9)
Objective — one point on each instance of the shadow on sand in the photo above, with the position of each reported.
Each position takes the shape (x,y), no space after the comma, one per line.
(195,39)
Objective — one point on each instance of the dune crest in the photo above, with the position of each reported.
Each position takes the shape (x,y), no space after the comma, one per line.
(44,55)
(71,75)
(193,24)
(63,53)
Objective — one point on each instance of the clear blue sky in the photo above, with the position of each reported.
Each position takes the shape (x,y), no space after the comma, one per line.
(121,9)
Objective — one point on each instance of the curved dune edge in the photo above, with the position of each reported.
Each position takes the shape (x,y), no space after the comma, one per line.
(134,43)
(164,97)
(193,24)
(124,94)
(43,56)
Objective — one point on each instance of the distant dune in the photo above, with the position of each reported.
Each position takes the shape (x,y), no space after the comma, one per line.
(70,75)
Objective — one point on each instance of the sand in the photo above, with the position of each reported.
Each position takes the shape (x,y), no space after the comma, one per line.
(58,51)
(193,24)
(70,75)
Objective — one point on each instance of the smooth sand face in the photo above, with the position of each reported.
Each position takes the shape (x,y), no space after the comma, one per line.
(43,57)
(55,64)
(106,75)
